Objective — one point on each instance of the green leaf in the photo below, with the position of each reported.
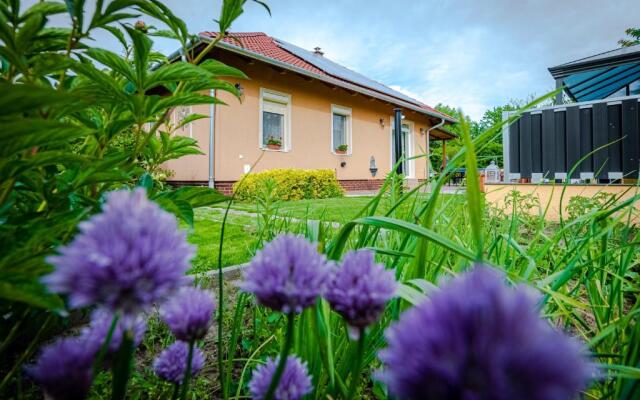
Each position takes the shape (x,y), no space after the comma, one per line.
(24,99)
(113,61)
(44,8)
(179,71)
(21,134)
(33,294)
(146,181)
(221,69)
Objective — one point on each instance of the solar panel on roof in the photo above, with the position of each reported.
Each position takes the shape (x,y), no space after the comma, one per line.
(341,72)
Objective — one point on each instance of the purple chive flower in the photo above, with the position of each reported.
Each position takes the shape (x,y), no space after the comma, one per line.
(477,338)
(64,369)
(171,364)
(126,258)
(287,275)
(101,319)
(295,381)
(359,288)
(188,313)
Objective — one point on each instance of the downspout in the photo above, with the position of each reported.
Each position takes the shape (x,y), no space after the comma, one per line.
(439,125)
(212,125)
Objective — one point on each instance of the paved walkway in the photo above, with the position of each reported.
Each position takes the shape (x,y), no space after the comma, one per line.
(448,189)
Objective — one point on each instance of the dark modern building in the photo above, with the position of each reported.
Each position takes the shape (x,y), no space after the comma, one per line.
(593,127)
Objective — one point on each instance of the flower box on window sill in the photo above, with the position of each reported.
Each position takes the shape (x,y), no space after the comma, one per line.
(273,146)
(340,152)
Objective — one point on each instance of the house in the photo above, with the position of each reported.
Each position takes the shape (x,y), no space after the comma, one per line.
(299,109)
(590,142)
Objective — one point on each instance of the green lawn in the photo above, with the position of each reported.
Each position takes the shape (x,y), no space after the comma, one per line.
(241,231)
(239,238)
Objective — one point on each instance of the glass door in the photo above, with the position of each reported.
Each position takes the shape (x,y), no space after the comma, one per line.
(405,148)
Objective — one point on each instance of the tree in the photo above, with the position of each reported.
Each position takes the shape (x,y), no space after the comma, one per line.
(633,38)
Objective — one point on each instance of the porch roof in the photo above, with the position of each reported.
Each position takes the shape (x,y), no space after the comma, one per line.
(601,75)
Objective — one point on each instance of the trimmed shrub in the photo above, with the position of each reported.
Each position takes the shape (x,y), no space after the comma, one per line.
(290,184)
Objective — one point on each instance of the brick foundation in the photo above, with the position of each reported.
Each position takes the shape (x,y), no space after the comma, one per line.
(361,184)
(349,185)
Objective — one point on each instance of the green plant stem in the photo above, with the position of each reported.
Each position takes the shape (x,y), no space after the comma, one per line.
(97,364)
(288,341)
(187,372)
(122,366)
(355,374)
(176,391)
(26,354)
(13,332)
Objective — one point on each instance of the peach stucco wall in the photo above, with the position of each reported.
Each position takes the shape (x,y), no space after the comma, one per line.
(551,194)
(237,130)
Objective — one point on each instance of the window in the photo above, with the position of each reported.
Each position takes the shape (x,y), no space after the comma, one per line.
(340,130)
(275,120)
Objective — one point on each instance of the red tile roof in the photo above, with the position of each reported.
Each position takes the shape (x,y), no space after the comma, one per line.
(260,43)
(265,45)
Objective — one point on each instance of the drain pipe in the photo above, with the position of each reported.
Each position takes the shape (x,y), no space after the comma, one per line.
(439,125)
(212,125)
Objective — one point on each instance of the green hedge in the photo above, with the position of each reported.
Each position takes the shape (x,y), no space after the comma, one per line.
(290,184)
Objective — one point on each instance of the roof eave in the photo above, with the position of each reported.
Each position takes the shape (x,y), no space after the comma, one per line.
(327,79)
(564,70)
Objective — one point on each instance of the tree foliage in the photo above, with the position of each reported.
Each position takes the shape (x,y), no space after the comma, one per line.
(633,37)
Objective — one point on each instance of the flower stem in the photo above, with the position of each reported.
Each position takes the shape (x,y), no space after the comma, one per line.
(97,364)
(176,391)
(122,365)
(187,372)
(355,374)
(288,341)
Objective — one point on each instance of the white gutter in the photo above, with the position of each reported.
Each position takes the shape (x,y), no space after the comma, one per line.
(212,125)
(439,125)
(327,79)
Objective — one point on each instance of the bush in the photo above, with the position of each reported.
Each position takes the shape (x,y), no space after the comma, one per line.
(290,184)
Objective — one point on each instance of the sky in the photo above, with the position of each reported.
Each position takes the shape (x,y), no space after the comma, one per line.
(469,54)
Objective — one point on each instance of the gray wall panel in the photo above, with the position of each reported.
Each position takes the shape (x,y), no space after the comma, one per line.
(614,112)
(514,148)
(560,164)
(536,143)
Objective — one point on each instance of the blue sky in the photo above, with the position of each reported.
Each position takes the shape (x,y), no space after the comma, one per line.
(470,54)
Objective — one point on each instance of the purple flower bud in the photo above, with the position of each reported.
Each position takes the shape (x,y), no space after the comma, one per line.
(101,320)
(359,288)
(295,381)
(287,275)
(477,338)
(127,258)
(188,313)
(171,364)
(64,369)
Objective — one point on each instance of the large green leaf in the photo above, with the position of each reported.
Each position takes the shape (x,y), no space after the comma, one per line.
(33,293)
(21,134)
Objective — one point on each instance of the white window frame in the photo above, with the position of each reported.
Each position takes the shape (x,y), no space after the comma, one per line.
(176,120)
(346,112)
(410,148)
(282,98)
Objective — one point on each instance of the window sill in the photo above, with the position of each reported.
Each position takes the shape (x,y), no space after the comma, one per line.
(341,154)
(274,151)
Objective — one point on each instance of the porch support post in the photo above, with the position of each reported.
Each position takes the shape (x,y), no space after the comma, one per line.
(559,99)
(397,135)
(444,154)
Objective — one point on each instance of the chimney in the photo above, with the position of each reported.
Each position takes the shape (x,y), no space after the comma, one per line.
(318,51)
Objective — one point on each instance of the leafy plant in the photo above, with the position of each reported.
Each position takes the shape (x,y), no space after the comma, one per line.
(342,148)
(272,141)
(289,184)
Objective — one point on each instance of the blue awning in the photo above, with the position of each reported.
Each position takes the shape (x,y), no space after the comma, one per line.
(602,82)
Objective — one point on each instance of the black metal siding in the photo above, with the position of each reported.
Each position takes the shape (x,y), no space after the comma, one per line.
(631,139)
(555,140)
(514,148)
(536,143)
(525,145)
(601,164)
(615,148)
(548,144)
(573,141)
(586,139)
(560,164)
